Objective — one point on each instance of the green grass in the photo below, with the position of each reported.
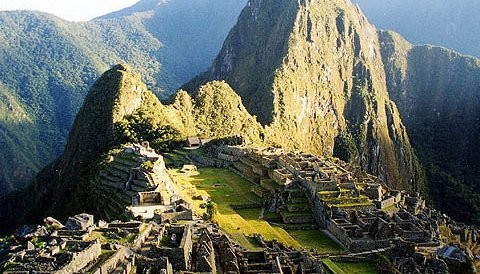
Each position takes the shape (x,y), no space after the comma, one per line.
(391,209)
(227,188)
(330,192)
(250,213)
(333,267)
(316,239)
(287,213)
(270,184)
(354,204)
(177,157)
(358,268)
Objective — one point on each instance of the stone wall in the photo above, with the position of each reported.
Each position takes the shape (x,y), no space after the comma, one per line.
(227,157)
(297,219)
(167,216)
(179,256)
(318,208)
(356,245)
(152,197)
(390,201)
(119,257)
(142,237)
(82,258)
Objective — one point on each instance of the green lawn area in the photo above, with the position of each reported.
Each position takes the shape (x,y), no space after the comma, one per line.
(333,267)
(358,268)
(174,158)
(350,268)
(317,239)
(227,188)
(354,204)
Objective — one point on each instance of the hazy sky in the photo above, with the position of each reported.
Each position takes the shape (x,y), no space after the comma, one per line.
(73,10)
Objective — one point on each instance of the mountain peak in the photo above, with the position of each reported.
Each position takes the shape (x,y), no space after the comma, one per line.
(312,72)
(117,93)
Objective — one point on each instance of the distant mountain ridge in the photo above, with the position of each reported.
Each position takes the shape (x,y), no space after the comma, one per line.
(48,64)
(452,24)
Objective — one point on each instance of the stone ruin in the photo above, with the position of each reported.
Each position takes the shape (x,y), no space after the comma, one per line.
(60,251)
(357,208)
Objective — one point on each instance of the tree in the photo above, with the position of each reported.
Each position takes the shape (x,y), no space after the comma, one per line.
(145,126)
(210,210)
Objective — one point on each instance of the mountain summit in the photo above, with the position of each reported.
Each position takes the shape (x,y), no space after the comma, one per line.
(312,72)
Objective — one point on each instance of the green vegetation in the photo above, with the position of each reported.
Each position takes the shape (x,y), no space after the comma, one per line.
(332,267)
(278,81)
(316,239)
(48,64)
(38,242)
(141,126)
(210,210)
(226,188)
(219,113)
(175,159)
(147,165)
(350,268)
(358,268)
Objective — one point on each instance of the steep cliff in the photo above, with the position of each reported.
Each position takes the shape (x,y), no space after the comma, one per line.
(312,72)
(438,95)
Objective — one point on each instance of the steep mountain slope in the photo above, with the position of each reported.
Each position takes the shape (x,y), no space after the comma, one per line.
(312,72)
(452,24)
(438,94)
(119,109)
(48,64)
(17,163)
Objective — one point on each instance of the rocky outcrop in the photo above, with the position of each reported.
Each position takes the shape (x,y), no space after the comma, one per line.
(312,72)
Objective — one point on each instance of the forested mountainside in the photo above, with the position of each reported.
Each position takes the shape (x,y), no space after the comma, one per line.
(437,92)
(312,72)
(47,65)
(319,77)
(452,24)
(119,109)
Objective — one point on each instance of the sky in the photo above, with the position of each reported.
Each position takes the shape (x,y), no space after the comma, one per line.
(72,10)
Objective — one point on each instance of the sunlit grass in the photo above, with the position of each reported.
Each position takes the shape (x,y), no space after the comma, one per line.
(227,188)
(350,268)
(358,268)
(317,240)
